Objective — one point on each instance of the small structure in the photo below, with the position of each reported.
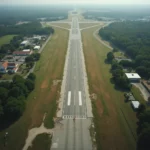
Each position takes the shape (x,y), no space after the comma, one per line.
(129,96)
(37,37)
(3,67)
(135,104)
(26,50)
(24,43)
(133,77)
(22,53)
(36,47)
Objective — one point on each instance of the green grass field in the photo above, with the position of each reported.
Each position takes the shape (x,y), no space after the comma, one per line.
(43,99)
(41,142)
(5,39)
(114,119)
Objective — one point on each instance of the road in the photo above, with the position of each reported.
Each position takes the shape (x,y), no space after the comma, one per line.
(74,134)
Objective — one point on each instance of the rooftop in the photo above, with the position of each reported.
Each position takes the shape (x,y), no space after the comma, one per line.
(135,104)
(24,42)
(132,75)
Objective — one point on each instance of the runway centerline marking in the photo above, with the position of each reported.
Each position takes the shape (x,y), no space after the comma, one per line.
(69,98)
(80,99)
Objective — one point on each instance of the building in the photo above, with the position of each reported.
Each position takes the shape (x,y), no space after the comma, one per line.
(135,104)
(133,77)
(3,67)
(37,47)
(37,37)
(22,53)
(12,65)
(24,43)
(26,50)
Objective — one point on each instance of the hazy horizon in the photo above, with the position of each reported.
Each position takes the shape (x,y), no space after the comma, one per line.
(106,2)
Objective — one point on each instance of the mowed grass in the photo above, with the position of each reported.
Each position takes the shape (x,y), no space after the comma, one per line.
(64,25)
(115,121)
(43,99)
(84,25)
(41,142)
(5,39)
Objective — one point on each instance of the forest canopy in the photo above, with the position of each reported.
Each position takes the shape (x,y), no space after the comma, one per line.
(133,37)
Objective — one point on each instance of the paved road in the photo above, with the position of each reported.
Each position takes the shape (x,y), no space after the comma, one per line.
(74,134)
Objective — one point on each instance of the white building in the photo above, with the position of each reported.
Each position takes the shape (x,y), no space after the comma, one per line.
(133,76)
(37,47)
(25,43)
(135,104)
(26,50)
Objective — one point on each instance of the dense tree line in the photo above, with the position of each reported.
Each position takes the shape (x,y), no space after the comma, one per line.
(117,72)
(13,97)
(31,28)
(12,14)
(134,38)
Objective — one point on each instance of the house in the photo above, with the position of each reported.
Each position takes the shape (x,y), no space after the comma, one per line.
(135,104)
(133,77)
(37,37)
(24,43)
(22,53)
(3,67)
(36,47)
(12,65)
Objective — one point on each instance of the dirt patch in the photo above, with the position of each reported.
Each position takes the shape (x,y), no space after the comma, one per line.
(56,82)
(93,96)
(44,84)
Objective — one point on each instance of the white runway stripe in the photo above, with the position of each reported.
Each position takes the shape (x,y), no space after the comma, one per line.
(80,99)
(69,98)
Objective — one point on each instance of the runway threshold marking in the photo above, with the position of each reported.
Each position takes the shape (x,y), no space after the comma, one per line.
(69,98)
(80,99)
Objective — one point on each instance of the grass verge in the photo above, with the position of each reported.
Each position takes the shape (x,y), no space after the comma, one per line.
(115,121)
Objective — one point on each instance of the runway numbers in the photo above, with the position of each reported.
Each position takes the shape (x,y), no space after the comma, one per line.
(76,117)
(69,98)
(80,99)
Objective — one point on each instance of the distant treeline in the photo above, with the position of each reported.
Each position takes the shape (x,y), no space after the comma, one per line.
(10,15)
(26,29)
(133,37)
(118,14)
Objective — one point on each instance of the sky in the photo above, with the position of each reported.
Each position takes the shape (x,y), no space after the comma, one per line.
(74,1)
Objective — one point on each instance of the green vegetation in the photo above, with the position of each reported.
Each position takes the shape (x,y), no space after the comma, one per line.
(40,100)
(23,13)
(6,39)
(41,142)
(132,37)
(115,121)
(12,98)
(26,29)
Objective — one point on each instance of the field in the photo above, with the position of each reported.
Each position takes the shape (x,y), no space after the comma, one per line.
(43,99)
(65,25)
(5,39)
(114,119)
(84,25)
(41,142)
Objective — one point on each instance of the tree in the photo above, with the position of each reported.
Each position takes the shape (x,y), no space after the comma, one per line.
(143,142)
(3,93)
(110,56)
(115,49)
(14,108)
(141,109)
(1,111)
(18,79)
(30,84)
(31,76)
(14,92)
